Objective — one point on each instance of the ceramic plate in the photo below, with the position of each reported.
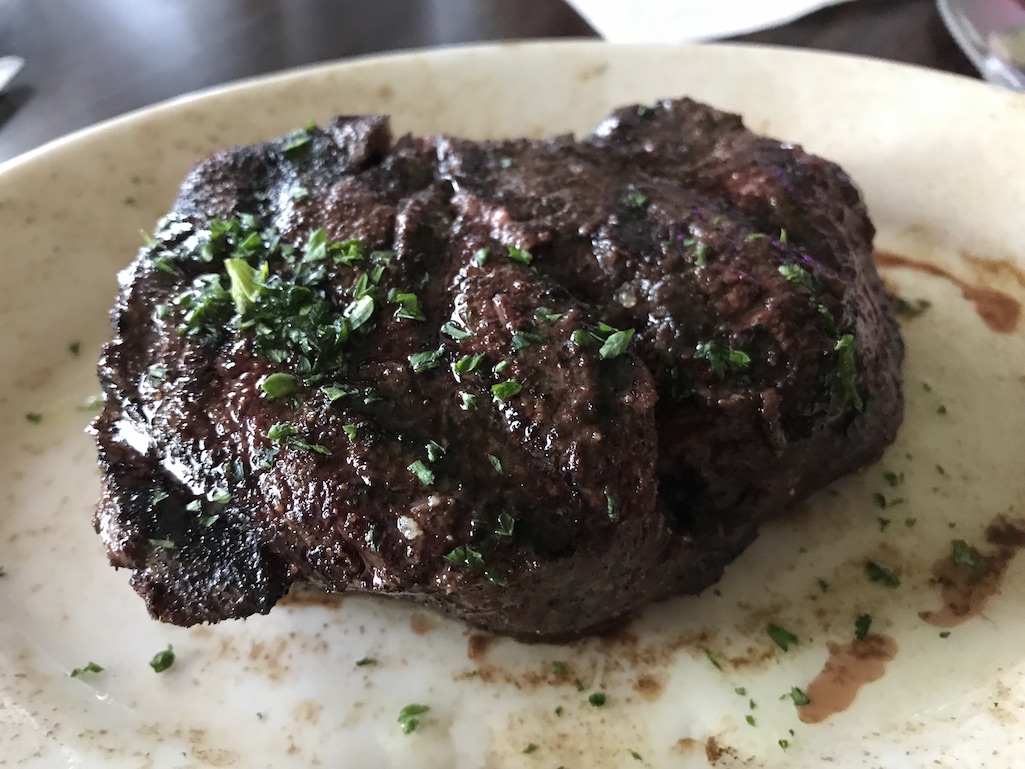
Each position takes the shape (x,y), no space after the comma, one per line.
(691,682)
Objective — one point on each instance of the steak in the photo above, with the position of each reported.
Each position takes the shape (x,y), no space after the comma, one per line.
(535,384)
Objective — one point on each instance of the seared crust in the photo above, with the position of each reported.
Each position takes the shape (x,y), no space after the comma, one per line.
(743,265)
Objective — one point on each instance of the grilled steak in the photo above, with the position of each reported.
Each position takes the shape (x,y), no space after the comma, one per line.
(533,383)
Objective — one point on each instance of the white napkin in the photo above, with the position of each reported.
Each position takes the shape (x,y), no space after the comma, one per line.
(676,21)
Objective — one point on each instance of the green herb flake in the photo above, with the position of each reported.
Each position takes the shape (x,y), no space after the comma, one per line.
(221,496)
(544,314)
(910,309)
(941,410)
(823,585)
(281,432)
(701,254)
(75,348)
(163,544)
(162,660)
(467,402)
(944,634)
(531,747)
(880,500)
(506,390)
(963,554)
(742,691)
(845,371)
(422,472)
(862,625)
(495,578)
(207,521)
(519,255)
(893,479)
(616,344)
(795,273)
(350,431)
(524,339)
(89,667)
(636,756)
(597,699)
(611,508)
(452,330)
(467,364)
(785,744)
(362,663)
(300,193)
(910,522)
(559,668)
(876,572)
(481,256)
(579,685)
(755,236)
(782,637)
(883,523)
(295,143)
(279,384)
(798,696)
(423,361)
(465,556)
(435,451)
(496,463)
(634,200)
(712,658)
(559,711)
(409,717)
(34,417)
(721,358)
(751,720)
(501,366)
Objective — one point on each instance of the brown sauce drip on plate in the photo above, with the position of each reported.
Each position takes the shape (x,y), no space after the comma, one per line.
(997,310)
(849,667)
(967,590)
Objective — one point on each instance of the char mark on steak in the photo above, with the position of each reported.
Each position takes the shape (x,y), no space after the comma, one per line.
(535,384)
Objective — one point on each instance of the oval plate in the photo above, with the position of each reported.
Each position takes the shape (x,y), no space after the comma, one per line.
(690,682)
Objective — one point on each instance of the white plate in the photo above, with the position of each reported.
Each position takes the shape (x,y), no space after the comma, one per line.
(940,162)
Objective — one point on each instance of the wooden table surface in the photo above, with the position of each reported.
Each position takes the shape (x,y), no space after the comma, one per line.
(90,60)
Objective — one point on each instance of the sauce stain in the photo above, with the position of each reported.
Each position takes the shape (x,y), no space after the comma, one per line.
(420,624)
(649,688)
(967,590)
(849,667)
(997,310)
(477,646)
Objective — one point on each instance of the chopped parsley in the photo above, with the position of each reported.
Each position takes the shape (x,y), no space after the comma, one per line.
(785,744)
(422,472)
(636,756)
(798,696)
(597,699)
(496,463)
(467,363)
(409,305)
(75,348)
(279,385)
(611,342)
(876,572)
(466,556)
(506,390)
(163,544)
(523,339)
(782,637)
(162,660)
(963,554)
(287,434)
(543,313)
(883,523)
(611,508)
(531,747)
(616,344)
(423,361)
(845,370)
(505,525)
(350,431)
(902,307)
(34,417)
(944,634)
(501,366)
(795,273)
(712,658)
(721,358)
(89,667)
(519,255)
(362,663)
(481,256)
(409,717)
(467,401)
(559,668)
(435,451)
(823,585)
(750,720)
(862,625)
(634,200)
(456,333)
(295,144)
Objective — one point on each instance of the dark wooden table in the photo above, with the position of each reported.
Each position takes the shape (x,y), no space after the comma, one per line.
(89,61)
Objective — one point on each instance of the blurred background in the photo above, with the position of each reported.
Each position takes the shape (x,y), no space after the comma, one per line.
(88,60)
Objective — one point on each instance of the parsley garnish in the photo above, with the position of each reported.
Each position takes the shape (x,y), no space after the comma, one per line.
(785,744)
(520,255)
(350,431)
(611,509)
(422,361)
(464,555)
(505,390)
(750,720)
(162,660)
(712,658)
(481,256)
(279,385)
(163,544)
(876,572)
(636,755)
(89,667)
(523,339)
(798,696)
(496,463)
(435,451)
(467,363)
(560,668)
(409,717)
(720,358)
(531,747)
(365,661)
(963,554)
(597,699)
(421,471)
(285,433)
(861,626)
(904,308)
(782,637)
(845,371)
(795,273)
(467,401)
(75,348)
(616,344)
(634,200)
(34,417)
(409,305)
(543,313)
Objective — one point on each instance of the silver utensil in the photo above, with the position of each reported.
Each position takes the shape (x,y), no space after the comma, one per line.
(992,34)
